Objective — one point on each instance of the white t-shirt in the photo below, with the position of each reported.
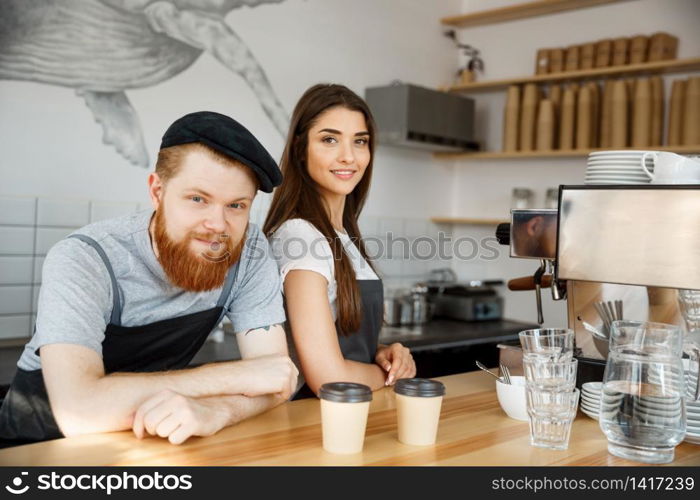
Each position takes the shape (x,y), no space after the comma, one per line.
(297,244)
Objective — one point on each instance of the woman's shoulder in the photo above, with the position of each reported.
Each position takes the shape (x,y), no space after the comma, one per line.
(297,227)
(300,234)
(297,244)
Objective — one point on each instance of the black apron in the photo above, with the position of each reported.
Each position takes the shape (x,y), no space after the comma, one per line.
(169,344)
(361,345)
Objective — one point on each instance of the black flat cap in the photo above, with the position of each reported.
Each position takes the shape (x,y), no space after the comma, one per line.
(228,137)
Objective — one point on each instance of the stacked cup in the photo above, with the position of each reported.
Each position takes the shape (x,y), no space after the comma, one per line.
(550,374)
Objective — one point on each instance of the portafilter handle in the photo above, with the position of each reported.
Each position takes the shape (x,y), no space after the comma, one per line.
(538,290)
(528,283)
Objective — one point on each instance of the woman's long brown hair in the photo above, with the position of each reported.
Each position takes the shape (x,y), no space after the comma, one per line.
(299,196)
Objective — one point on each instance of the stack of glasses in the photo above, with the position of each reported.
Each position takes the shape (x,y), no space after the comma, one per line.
(550,374)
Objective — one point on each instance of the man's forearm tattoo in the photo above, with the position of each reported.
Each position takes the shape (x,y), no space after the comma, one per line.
(266,328)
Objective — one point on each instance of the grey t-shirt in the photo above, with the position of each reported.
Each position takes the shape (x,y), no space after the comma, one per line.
(75,300)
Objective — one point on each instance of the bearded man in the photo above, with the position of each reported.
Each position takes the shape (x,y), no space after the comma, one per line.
(126,303)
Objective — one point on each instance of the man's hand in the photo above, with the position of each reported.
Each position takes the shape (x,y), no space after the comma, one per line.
(396,360)
(273,374)
(176,417)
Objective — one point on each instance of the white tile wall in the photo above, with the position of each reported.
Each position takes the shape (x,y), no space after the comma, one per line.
(100,210)
(432,230)
(15,299)
(16,326)
(391,284)
(397,247)
(414,268)
(35,298)
(445,228)
(390,267)
(423,248)
(369,225)
(38,267)
(46,237)
(24,244)
(416,227)
(394,225)
(373,246)
(17,210)
(63,213)
(413,248)
(24,239)
(15,270)
(16,240)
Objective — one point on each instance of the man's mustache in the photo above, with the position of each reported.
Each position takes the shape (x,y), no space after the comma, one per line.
(219,245)
(216,241)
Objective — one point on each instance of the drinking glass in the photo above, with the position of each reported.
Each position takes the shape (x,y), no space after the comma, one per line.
(546,375)
(552,344)
(551,416)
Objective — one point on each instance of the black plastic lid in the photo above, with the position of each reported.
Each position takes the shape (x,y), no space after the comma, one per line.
(419,387)
(345,392)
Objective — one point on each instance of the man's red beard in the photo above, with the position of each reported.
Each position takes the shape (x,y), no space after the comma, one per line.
(195,273)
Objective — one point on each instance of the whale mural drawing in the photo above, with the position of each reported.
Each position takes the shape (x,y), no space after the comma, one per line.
(102,48)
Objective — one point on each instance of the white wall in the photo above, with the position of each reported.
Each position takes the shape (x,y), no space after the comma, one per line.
(52,146)
(508,49)
(53,156)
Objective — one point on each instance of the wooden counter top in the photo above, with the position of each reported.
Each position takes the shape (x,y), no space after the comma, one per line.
(473,431)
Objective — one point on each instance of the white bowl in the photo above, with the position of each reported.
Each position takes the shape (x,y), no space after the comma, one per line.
(512,398)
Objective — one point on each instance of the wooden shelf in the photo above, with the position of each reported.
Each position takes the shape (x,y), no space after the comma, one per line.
(521,11)
(658,67)
(472,221)
(572,153)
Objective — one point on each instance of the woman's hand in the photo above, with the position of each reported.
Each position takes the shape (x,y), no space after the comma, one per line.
(397,361)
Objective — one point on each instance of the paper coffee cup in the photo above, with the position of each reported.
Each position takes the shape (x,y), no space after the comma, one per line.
(344,409)
(418,402)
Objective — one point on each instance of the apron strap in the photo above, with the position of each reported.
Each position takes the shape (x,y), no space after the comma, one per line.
(117,308)
(116,317)
(226,291)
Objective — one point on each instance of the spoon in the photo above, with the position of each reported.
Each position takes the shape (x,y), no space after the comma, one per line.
(482,367)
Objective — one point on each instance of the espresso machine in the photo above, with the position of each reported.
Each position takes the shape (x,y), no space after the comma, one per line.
(612,252)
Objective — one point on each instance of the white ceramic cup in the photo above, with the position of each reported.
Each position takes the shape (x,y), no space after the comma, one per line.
(344,410)
(418,403)
(671,168)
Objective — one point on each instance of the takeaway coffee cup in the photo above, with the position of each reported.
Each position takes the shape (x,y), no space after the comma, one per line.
(418,402)
(344,409)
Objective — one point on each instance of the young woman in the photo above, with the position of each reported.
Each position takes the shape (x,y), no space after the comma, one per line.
(333,296)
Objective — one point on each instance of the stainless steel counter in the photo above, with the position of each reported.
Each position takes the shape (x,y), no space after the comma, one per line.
(443,334)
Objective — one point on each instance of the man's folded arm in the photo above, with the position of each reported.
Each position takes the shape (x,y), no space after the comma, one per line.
(85,400)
